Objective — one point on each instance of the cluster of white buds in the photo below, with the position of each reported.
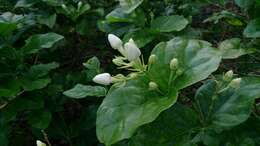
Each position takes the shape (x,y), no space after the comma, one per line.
(39,143)
(129,50)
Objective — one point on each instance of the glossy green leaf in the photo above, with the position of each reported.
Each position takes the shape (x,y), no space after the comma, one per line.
(118,15)
(30,85)
(130,5)
(197,60)
(244,3)
(93,68)
(174,126)
(169,23)
(225,106)
(13,107)
(39,119)
(126,108)
(40,41)
(7,28)
(82,91)
(40,70)
(24,3)
(232,48)
(252,30)
(48,20)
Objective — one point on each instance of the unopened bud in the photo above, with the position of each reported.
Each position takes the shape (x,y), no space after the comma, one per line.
(152,59)
(79,4)
(179,72)
(228,75)
(103,79)
(64,6)
(174,64)
(153,86)
(39,143)
(132,51)
(235,83)
(115,42)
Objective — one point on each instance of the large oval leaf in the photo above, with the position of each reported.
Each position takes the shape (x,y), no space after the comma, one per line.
(129,107)
(197,60)
(228,107)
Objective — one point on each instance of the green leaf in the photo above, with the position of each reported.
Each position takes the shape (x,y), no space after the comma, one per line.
(244,3)
(224,106)
(232,48)
(132,104)
(130,5)
(40,41)
(126,108)
(82,91)
(39,119)
(93,68)
(252,30)
(30,85)
(197,60)
(19,105)
(7,28)
(10,88)
(172,127)
(169,23)
(48,20)
(118,15)
(24,3)
(40,70)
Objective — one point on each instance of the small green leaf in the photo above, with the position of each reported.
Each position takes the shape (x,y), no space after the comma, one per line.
(82,91)
(93,68)
(48,20)
(252,30)
(169,23)
(40,70)
(40,119)
(232,48)
(40,41)
(130,5)
(244,3)
(118,15)
(7,28)
(30,85)
(25,3)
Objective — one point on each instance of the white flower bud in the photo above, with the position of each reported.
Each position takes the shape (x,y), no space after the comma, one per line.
(64,6)
(174,64)
(115,42)
(152,59)
(235,83)
(103,79)
(80,4)
(228,75)
(153,86)
(39,143)
(132,51)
